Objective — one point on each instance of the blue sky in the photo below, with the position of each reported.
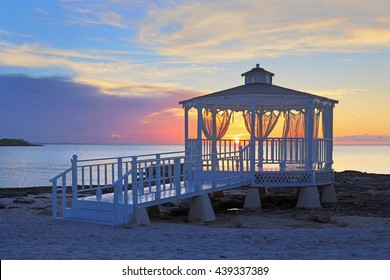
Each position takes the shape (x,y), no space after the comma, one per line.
(114,71)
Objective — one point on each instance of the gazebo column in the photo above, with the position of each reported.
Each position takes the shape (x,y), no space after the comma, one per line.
(186,123)
(199,138)
(187,147)
(308,196)
(214,161)
(214,139)
(309,131)
(261,140)
(328,192)
(328,134)
(252,153)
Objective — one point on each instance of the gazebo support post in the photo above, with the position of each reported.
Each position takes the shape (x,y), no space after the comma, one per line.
(142,216)
(252,200)
(308,198)
(201,209)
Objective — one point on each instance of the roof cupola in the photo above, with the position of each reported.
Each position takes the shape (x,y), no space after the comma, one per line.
(258,76)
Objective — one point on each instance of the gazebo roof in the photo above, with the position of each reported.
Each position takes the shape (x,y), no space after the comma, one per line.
(257,69)
(259,93)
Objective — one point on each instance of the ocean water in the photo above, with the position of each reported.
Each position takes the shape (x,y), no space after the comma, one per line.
(35,166)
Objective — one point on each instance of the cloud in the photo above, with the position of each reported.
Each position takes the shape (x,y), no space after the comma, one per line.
(180,42)
(62,110)
(225,31)
(41,11)
(39,56)
(170,113)
(363,139)
(103,18)
(103,69)
(346,60)
(115,135)
(335,93)
(7,33)
(98,13)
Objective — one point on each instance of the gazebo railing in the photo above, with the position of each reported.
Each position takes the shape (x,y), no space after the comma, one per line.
(275,151)
(322,153)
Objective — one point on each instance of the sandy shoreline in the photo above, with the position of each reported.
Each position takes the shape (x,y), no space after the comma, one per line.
(358,228)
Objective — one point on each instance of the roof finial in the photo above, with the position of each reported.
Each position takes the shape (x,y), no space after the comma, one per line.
(257,65)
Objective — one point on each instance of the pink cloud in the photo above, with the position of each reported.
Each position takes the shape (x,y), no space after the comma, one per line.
(115,136)
(54,110)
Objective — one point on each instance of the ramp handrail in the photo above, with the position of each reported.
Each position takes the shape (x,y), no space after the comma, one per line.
(54,180)
(165,175)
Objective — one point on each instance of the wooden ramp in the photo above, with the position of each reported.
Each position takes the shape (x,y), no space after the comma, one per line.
(111,190)
(105,209)
(114,190)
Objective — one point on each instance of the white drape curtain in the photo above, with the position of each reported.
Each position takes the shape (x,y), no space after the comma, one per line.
(222,118)
(294,125)
(317,115)
(265,121)
(326,121)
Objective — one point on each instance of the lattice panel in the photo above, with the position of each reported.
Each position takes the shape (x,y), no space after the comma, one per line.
(324,177)
(282,179)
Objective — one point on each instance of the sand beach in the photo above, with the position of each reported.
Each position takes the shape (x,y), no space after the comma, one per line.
(357,227)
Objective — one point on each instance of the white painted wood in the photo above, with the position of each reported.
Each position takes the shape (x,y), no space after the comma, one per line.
(309,130)
(74,178)
(252,137)
(201,209)
(308,198)
(199,130)
(186,124)
(142,217)
(54,199)
(63,193)
(252,200)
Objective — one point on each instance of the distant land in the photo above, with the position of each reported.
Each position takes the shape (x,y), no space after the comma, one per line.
(16,142)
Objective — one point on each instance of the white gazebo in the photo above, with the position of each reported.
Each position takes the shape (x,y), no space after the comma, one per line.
(118,190)
(300,157)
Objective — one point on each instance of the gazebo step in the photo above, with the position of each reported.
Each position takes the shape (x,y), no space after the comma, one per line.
(103,213)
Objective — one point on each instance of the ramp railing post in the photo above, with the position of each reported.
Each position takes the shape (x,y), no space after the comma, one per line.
(74,178)
(158,177)
(134,181)
(63,193)
(176,175)
(54,198)
(241,162)
(120,171)
(116,198)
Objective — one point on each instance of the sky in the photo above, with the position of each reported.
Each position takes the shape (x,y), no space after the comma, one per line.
(113,71)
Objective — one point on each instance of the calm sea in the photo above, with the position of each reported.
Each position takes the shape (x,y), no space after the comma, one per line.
(34,166)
